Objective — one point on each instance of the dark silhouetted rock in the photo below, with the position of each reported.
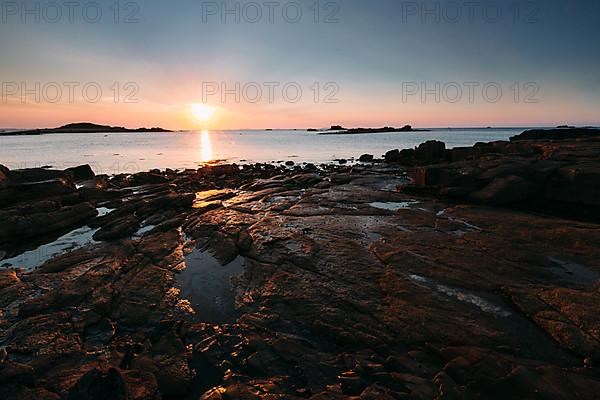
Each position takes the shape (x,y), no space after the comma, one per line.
(503,191)
(549,176)
(147,178)
(118,229)
(98,385)
(577,185)
(4,181)
(557,134)
(431,151)
(82,172)
(392,156)
(15,373)
(481,149)
(35,175)
(366,158)
(220,170)
(431,176)
(462,153)
(20,192)
(17,227)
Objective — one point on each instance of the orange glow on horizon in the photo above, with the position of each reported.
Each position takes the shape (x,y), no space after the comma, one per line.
(353,112)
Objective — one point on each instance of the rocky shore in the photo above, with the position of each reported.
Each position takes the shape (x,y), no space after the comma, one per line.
(465,273)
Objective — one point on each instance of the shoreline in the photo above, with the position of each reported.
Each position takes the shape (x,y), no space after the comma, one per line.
(109,158)
(394,278)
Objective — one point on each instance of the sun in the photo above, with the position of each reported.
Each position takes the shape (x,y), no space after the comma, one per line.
(202,112)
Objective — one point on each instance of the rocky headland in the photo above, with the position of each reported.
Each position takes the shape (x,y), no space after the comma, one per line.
(434,273)
(81,127)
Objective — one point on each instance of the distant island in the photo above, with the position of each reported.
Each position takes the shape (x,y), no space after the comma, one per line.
(81,127)
(339,130)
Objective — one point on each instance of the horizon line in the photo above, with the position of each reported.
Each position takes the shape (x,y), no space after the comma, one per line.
(325,128)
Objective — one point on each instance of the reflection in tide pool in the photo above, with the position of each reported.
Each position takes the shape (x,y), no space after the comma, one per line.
(206,153)
(209,286)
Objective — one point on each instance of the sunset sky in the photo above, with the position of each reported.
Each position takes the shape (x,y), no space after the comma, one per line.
(373,54)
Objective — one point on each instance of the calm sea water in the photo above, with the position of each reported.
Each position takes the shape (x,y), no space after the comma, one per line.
(112,153)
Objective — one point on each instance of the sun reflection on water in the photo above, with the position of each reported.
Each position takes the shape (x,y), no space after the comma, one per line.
(206,151)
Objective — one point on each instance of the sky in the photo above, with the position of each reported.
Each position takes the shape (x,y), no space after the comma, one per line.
(191,64)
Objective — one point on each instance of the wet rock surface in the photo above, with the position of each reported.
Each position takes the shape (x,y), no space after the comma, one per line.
(328,282)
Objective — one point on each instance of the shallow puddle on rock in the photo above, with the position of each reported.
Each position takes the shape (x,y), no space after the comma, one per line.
(208,286)
(102,211)
(32,259)
(391,206)
(142,231)
(573,272)
(461,295)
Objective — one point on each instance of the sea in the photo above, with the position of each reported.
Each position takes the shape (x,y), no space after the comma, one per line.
(116,153)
